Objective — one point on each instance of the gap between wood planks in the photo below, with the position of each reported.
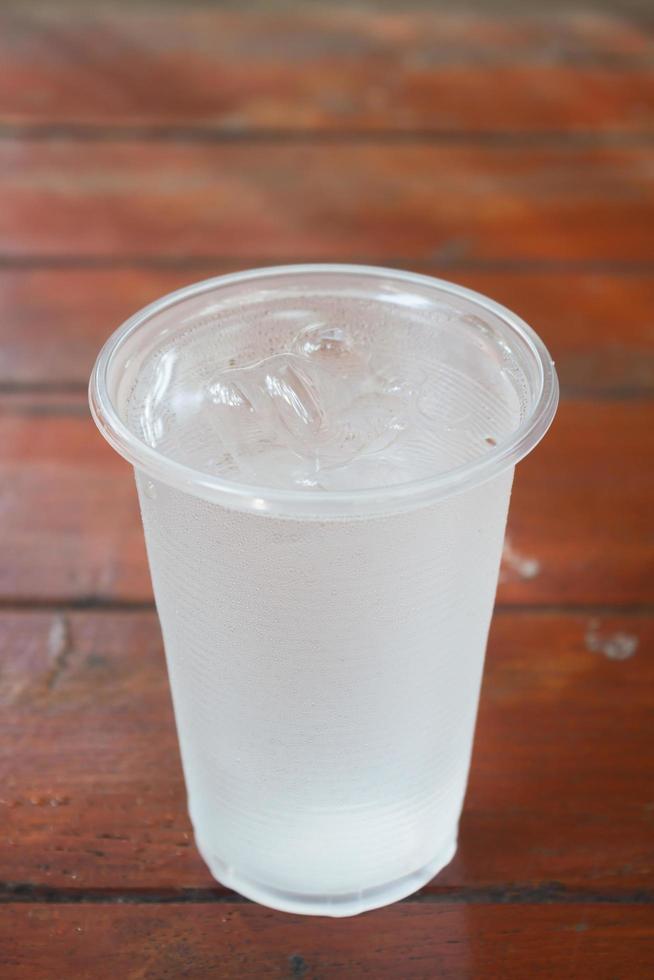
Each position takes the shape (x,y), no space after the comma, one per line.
(528,266)
(549,893)
(165,133)
(100,604)
(77,389)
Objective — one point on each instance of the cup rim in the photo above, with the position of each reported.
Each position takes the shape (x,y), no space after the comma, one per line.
(319,504)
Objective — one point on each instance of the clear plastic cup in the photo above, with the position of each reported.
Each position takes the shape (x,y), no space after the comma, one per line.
(325,647)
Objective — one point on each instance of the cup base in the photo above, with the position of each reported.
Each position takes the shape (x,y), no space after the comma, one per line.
(338,905)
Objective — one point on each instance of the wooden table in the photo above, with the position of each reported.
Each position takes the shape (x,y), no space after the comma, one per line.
(147,145)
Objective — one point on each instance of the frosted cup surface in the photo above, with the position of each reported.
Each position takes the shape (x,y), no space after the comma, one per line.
(324,458)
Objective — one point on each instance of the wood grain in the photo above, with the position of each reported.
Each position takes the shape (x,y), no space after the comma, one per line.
(92,793)
(313,67)
(419,201)
(239,941)
(146,145)
(599,326)
(70,525)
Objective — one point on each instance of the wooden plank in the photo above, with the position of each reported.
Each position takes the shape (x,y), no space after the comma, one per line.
(412,941)
(71,531)
(92,795)
(55,321)
(580,527)
(418,200)
(319,68)
(598,325)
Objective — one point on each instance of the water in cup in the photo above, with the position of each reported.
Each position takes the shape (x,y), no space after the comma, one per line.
(324,457)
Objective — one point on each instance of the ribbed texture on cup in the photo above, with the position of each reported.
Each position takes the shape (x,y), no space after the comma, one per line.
(325,678)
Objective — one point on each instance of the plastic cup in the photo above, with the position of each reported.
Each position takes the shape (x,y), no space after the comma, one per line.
(325,648)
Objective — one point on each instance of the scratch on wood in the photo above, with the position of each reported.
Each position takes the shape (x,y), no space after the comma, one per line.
(513,562)
(298,965)
(59,650)
(614,646)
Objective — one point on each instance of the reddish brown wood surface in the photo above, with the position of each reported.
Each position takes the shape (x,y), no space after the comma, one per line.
(316,67)
(561,791)
(246,942)
(146,145)
(599,326)
(378,200)
(70,523)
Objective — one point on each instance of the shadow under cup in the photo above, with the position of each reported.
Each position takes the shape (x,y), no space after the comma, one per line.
(325,642)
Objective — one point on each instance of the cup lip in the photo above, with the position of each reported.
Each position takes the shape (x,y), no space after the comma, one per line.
(323,504)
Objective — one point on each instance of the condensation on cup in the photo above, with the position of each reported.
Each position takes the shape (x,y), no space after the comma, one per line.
(324,457)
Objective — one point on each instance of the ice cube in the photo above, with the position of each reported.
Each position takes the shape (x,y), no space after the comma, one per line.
(323,340)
